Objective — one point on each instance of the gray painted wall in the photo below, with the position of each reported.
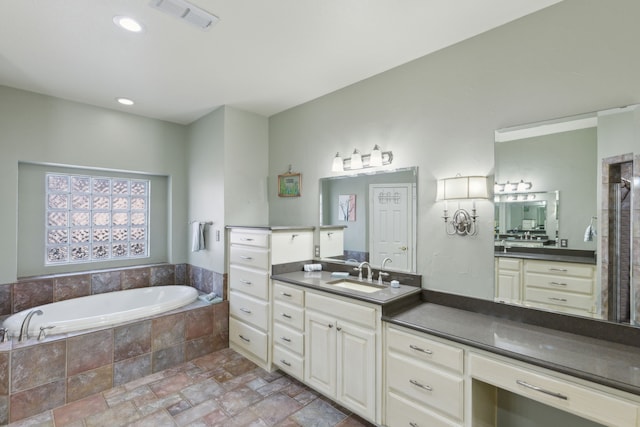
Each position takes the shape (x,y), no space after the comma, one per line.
(439,113)
(41,129)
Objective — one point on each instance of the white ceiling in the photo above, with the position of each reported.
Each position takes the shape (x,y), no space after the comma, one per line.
(263,56)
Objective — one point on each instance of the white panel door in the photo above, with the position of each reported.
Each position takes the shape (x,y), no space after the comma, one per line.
(390,228)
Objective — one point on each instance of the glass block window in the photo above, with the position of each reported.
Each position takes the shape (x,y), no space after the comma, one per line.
(91,218)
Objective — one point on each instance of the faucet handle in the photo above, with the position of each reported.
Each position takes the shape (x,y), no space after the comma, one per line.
(42,333)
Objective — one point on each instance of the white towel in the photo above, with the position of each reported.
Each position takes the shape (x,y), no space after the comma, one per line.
(197,236)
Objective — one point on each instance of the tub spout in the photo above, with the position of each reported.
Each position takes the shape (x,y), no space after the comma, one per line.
(24,329)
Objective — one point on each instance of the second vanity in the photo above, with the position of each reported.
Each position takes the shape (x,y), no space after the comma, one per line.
(406,361)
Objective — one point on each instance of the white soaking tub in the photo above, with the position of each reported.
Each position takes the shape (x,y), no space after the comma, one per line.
(101,310)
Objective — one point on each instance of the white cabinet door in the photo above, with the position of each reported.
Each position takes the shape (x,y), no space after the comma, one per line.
(320,351)
(508,286)
(356,368)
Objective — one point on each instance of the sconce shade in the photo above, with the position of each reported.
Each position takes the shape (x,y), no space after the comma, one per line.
(337,164)
(356,160)
(463,187)
(376,157)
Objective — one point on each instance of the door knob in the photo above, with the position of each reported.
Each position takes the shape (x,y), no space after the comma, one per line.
(403,248)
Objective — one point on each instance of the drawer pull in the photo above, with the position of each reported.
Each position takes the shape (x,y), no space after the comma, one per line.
(422,386)
(286,294)
(330,325)
(247,239)
(557,283)
(244,339)
(541,390)
(564,270)
(248,258)
(422,350)
(244,310)
(285,339)
(286,316)
(558,299)
(412,424)
(293,236)
(246,282)
(284,362)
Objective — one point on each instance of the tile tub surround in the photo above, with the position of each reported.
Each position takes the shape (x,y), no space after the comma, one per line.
(38,376)
(34,291)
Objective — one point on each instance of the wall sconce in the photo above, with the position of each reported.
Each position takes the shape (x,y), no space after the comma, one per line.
(361,161)
(512,187)
(462,188)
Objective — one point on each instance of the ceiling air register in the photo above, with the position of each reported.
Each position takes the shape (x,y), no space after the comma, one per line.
(186,11)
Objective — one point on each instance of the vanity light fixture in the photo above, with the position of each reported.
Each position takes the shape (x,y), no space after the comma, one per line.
(356,159)
(361,161)
(512,187)
(459,188)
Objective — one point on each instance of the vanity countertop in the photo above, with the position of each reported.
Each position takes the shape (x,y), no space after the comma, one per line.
(603,362)
(319,280)
(557,257)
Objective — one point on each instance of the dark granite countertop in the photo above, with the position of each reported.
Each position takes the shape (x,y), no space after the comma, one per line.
(547,257)
(603,362)
(318,280)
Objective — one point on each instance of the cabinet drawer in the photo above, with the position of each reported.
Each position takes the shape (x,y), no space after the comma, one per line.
(250,257)
(402,412)
(291,246)
(560,269)
(249,281)
(288,362)
(288,315)
(248,309)
(249,239)
(288,294)
(426,384)
(576,399)
(562,299)
(422,348)
(288,338)
(353,312)
(248,338)
(509,263)
(568,283)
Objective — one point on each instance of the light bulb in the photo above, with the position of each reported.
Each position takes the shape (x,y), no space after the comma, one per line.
(356,160)
(376,157)
(337,164)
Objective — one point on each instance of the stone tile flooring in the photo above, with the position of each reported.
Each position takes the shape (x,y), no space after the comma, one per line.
(219,389)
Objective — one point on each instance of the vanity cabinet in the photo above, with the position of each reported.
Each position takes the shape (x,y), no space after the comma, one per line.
(342,351)
(288,329)
(424,380)
(562,286)
(508,280)
(252,253)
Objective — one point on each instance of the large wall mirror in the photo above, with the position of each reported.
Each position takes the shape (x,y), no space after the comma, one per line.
(378,212)
(570,212)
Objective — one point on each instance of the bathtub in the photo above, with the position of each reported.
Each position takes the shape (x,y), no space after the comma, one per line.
(101,310)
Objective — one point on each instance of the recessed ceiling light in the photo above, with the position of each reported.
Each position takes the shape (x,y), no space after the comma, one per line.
(125,101)
(128,24)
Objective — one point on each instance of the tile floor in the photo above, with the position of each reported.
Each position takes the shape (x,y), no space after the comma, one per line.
(219,389)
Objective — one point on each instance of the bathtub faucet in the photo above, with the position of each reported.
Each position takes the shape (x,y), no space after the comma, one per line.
(24,329)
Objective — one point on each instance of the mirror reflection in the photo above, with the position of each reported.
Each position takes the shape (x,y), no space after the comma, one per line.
(576,260)
(526,220)
(376,212)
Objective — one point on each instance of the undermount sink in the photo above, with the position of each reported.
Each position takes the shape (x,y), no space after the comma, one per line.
(355,285)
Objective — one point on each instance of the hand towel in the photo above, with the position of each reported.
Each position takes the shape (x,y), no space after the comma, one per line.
(197,236)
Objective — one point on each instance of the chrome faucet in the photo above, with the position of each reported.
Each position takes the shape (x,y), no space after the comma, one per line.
(24,329)
(369,274)
(382,273)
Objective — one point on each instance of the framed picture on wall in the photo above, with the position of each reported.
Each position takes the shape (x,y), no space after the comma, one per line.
(289,185)
(347,207)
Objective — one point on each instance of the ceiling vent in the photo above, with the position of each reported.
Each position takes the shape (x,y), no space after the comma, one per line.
(186,11)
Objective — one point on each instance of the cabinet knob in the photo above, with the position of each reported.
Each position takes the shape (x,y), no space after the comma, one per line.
(293,236)
(338,328)
(330,325)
